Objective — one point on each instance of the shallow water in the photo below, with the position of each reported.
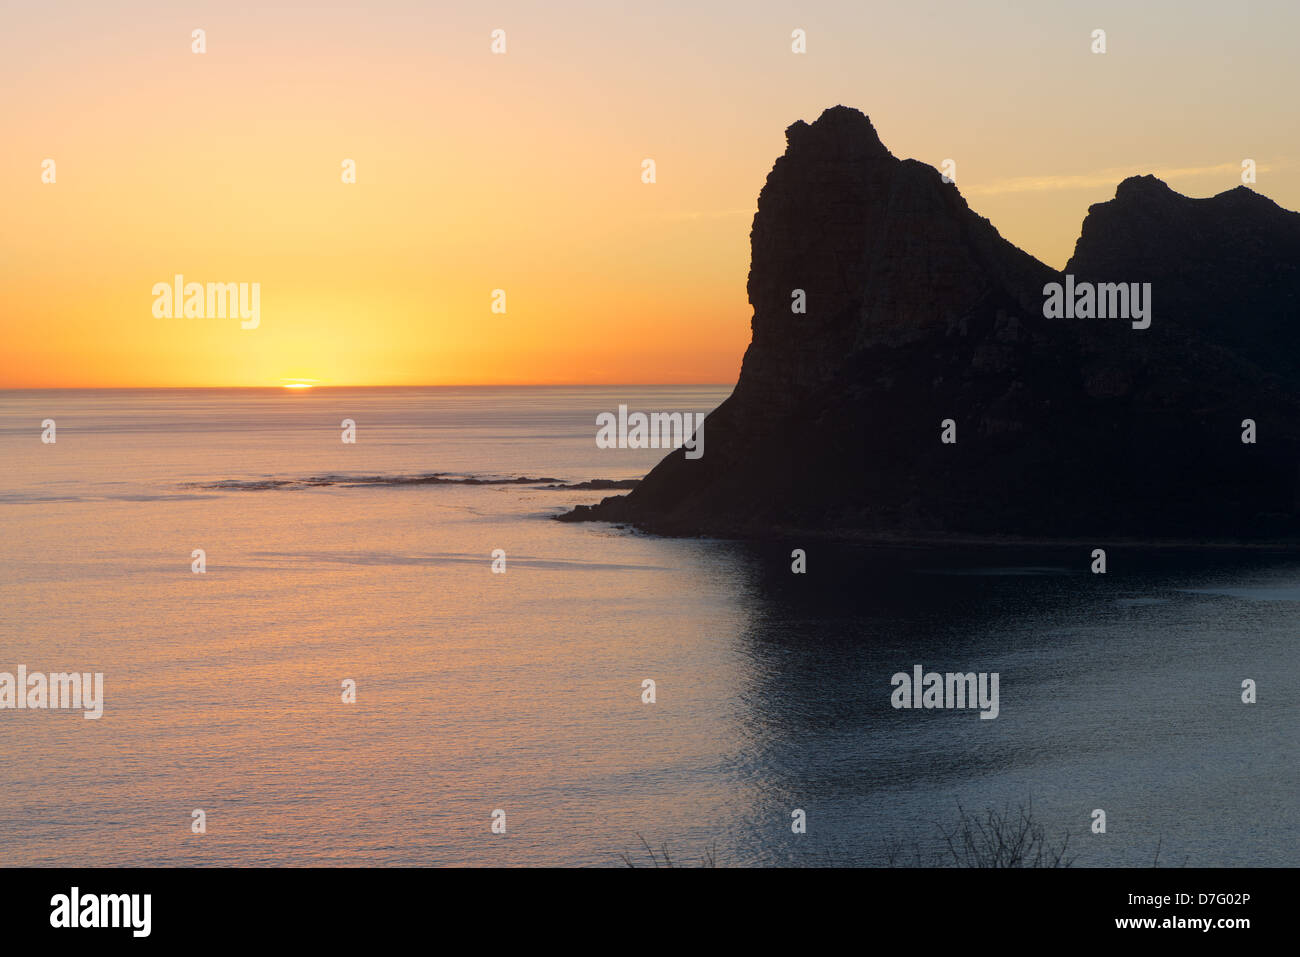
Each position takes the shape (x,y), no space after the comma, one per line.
(522,691)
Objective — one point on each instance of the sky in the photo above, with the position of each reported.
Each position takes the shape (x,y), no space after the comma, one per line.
(522,171)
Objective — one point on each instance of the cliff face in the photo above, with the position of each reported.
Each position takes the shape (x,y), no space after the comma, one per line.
(918,311)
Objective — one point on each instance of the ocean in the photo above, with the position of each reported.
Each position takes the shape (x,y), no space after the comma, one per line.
(516,698)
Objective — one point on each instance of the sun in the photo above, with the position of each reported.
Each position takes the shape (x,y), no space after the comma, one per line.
(298,383)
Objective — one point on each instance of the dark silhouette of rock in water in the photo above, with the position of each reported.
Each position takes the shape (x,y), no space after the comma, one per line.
(918,311)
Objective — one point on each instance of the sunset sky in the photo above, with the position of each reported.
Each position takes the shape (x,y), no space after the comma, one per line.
(523,171)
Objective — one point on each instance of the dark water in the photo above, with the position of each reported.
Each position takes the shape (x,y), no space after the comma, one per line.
(1119,691)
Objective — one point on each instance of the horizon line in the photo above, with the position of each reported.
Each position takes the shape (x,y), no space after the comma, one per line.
(461,385)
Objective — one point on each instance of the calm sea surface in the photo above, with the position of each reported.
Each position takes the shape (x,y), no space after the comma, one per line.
(522,691)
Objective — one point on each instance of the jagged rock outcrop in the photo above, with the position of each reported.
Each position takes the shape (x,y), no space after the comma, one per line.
(918,311)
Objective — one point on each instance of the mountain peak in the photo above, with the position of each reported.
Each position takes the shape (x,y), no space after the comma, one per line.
(1143,187)
(1247,198)
(840,129)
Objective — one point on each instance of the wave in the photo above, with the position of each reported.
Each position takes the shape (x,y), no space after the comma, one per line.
(34,498)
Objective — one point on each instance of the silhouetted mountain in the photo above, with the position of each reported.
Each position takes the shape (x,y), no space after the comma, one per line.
(1227,268)
(918,311)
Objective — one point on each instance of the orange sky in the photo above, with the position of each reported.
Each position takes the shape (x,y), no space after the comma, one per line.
(522,171)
